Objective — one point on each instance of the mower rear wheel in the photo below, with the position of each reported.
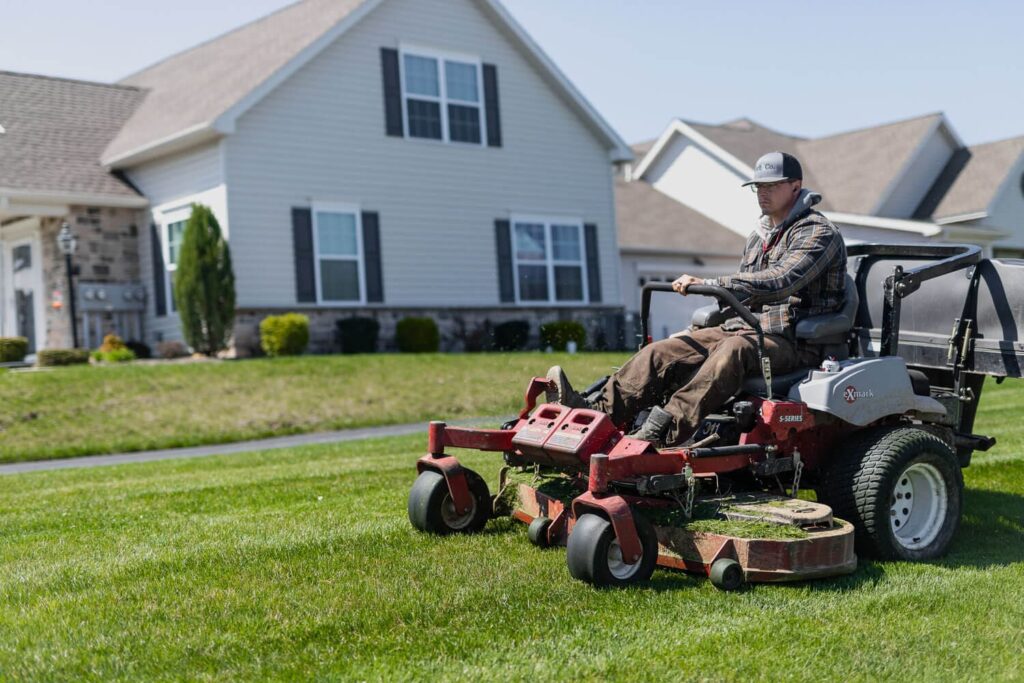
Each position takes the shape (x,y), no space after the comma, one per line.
(537,532)
(902,489)
(595,556)
(431,508)
(726,574)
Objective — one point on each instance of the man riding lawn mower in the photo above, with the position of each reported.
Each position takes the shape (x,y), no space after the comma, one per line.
(875,419)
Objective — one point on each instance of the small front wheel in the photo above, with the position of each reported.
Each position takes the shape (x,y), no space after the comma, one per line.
(595,556)
(538,532)
(726,574)
(431,508)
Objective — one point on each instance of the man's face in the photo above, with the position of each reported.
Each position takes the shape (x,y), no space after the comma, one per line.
(774,198)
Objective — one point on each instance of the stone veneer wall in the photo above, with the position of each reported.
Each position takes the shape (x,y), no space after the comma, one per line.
(454,324)
(108,251)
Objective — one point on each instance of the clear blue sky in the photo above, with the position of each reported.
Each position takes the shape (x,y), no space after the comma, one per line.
(807,68)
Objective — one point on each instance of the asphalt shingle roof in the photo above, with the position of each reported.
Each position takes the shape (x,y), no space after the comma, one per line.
(852,170)
(971,187)
(193,88)
(649,219)
(55,131)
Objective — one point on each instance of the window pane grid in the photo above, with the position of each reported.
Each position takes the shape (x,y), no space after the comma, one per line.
(338,256)
(549,258)
(442,99)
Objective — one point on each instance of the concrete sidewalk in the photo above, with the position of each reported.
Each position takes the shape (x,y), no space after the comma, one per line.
(237,447)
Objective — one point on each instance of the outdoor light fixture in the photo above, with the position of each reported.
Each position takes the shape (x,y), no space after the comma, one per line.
(67,243)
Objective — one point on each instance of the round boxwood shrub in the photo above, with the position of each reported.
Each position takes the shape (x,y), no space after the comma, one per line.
(417,335)
(13,349)
(54,357)
(558,334)
(284,335)
(511,335)
(358,335)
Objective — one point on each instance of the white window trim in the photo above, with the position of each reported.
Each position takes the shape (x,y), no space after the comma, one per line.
(167,218)
(549,261)
(442,56)
(359,258)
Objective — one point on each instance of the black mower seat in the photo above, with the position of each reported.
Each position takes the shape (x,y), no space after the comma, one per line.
(827,331)
(781,384)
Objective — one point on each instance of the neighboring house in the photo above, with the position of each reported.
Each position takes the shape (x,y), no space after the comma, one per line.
(364,157)
(906,181)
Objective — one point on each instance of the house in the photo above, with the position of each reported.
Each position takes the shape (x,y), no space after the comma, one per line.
(906,181)
(380,158)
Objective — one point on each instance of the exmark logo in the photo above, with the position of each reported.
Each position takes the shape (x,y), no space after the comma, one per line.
(851,394)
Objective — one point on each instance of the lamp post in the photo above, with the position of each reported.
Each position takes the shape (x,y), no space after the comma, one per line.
(67,243)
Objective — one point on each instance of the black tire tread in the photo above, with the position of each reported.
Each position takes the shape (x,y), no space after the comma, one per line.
(853,485)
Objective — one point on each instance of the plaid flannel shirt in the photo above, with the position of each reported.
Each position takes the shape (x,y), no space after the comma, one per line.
(798,273)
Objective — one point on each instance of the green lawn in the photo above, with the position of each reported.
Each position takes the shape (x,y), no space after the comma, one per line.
(108,409)
(301,565)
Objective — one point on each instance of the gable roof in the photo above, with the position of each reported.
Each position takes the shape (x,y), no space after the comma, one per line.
(853,170)
(651,220)
(971,180)
(55,131)
(197,94)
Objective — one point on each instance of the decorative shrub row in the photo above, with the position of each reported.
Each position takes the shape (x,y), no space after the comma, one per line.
(54,357)
(417,335)
(558,334)
(13,349)
(284,335)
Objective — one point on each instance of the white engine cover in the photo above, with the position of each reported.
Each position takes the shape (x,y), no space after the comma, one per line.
(865,390)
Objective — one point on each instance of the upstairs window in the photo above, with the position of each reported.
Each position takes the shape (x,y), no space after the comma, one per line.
(549,260)
(442,97)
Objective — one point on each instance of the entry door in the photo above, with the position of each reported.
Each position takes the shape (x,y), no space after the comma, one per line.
(24,266)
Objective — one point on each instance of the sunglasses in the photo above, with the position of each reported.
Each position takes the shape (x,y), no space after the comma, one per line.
(767,187)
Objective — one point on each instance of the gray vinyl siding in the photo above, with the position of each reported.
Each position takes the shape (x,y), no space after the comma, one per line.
(320,136)
(166,181)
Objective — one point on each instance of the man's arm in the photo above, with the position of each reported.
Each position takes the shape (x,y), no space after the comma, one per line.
(812,248)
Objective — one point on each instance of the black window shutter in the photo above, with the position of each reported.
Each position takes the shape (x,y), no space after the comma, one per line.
(392,92)
(491,105)
(506,285)
(159,291)
(593,265)
(302,240)
(371,257)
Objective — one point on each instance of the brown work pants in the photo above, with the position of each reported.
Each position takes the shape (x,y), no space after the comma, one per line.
(699,370)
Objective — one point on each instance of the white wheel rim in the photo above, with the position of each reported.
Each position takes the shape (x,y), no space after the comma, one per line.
(917,508)
(453,519)
(616,565)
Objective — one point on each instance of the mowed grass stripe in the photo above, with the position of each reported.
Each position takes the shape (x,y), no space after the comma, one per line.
(300,564)
(66,412)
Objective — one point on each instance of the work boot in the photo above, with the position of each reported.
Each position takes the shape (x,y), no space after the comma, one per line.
(654,427)
(560,391)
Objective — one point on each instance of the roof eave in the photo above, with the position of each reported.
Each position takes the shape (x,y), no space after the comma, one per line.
(656,251)
(10,196)
(679,127)
(920,227)
(180,141)
(619,151)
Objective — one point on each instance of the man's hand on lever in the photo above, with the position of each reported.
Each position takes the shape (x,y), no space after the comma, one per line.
(685,281)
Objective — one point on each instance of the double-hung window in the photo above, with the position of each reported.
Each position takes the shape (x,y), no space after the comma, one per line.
(442,97)
(174,232)
(549,260)
(338,249)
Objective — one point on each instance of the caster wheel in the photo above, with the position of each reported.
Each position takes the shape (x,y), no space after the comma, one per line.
(431,508)
(726,574)
(538,532)
(595,556)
